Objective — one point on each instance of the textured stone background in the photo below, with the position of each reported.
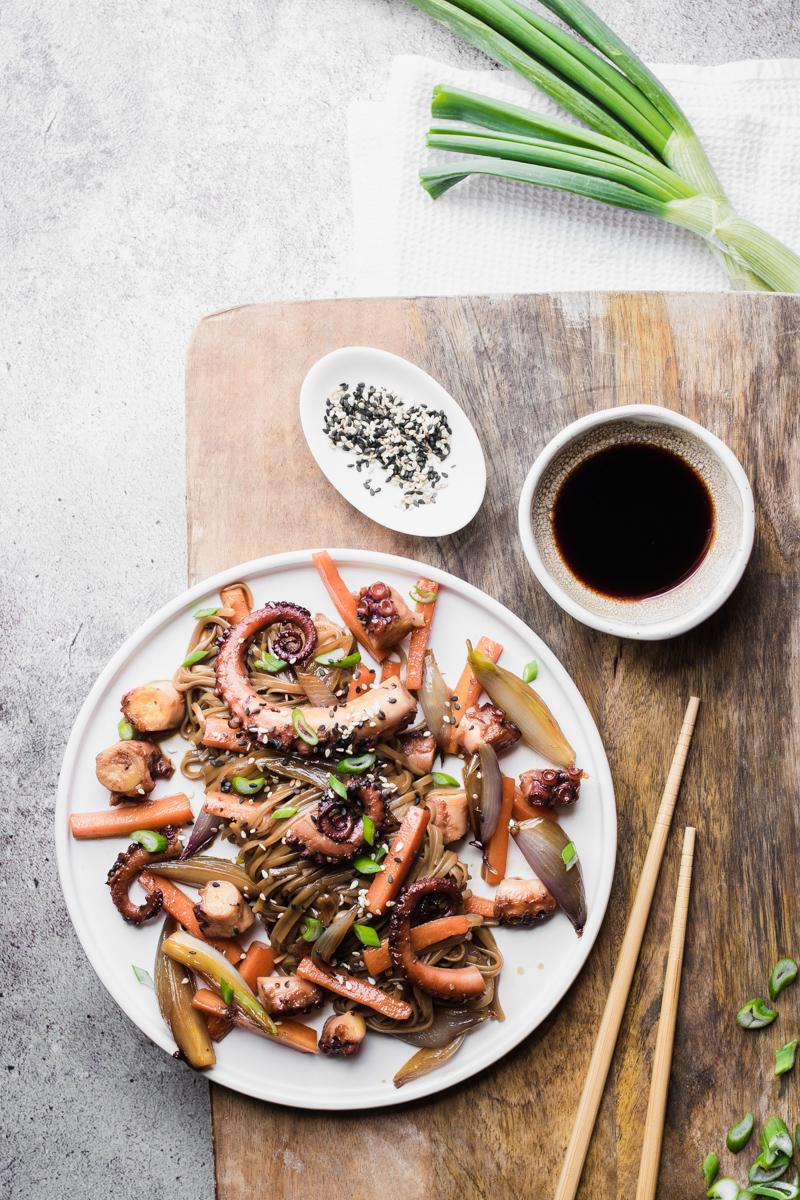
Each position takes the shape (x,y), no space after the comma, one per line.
(159,161)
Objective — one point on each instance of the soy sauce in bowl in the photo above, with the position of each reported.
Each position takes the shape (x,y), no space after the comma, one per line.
(633,520)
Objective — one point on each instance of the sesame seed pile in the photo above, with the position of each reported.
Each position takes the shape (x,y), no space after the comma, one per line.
(407,442)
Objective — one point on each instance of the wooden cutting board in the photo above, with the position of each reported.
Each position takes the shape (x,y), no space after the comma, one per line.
(522,367)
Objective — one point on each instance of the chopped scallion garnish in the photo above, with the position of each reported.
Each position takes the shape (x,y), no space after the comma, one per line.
(739,1135)
(530,671)
(337,786)
(335,658)
(569,855)
(150,839)
(142,976)
(303,729)
(202,613)
(125,730)
(226,991)
(366,935)
(247,786)
(195,657)
(784,1057)
(710,1168)
(357,764)
(283,814)
(421,596)
(783,973)
(312,928)
(269,662)
(443,780)
(755,1014)
(366,865)
(368,829)
(775,1137)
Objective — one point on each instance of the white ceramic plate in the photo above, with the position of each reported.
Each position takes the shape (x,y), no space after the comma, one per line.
(455,505)
(540,963)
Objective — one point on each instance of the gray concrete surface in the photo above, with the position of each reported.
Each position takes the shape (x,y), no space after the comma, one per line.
(159,161)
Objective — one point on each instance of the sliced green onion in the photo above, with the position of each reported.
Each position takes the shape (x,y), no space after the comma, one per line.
(724,1189)
(195,657)
(312,928)
(269,662)
(366,865)
(125,730)
(356,765)
(442,780)
(150,839)
(710,1168)
(206,960)
(755,1014)
(142,976)
(366,935)
(202,613)
(530,671)
(337,786)
(303,729)
(569,855)
(246,786)
(368,829)
(421,596)
(768,1167)
(779,1190)
(335,658)
(739,1135)
(380,854)
(226,991)
(783,973)
(775,1137)
(784,1058)
(283,814)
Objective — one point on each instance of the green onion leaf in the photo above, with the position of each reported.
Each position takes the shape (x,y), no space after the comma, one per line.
(755,1014)
(303,729)
(150,839)
(783,973)
(784,1058)
(421,596)
(724,1189)
(366,865)
(443,780)
(368,829)
(337,786)
(226,991)
(768,1167)
(775,1137)
(739,1135)
(530,671)
(246,786)
(125,730)
(569,855)
(710,1168)
(195,657)
(142,976)
(780,1190)
(312,928)
(335,658)
(202,613)
(269,663)
(283,814)
(380,853)
(366,935)
(356,765)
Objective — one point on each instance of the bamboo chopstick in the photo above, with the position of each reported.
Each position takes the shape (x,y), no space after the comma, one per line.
(662,1059)
(626,964)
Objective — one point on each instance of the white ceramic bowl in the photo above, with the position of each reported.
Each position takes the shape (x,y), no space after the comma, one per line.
(456,504)
(697,597)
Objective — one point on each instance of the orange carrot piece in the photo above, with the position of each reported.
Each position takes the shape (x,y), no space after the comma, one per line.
(468,689)
(235,598)
(218,734)
(398,862)
(179,906)
(377,958)
(480,906)
(390,669)
(344,601)
(218,1027)
(361,681)
(259,960)
(116,822)
(290,1033)
(419,637)
(342,983)
(230,806)
(496,853)
(523,811)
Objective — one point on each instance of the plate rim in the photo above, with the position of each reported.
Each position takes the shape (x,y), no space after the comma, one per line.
(427,1085)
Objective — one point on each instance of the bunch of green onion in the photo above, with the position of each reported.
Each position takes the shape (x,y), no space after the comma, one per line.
(635,148)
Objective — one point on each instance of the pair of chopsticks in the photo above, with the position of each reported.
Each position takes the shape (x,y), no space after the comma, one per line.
(620,987)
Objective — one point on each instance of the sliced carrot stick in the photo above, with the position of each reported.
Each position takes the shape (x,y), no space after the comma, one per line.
(218,734)
(230,806)
(496,853)
(468,689)
(523,811)
(398,862)
(377,958)
(344,984)
(419,637)
(290,1033)
(390,669)
(179,906)
(361,681)
(344,601)
(116,822)
(218,1027)
(234,597)
(480,906)
(259,960)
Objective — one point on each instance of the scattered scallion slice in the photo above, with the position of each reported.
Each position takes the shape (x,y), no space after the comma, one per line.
(443,780)
(142,976)
(150,839)
(337,786)
(357,764)
(246,786)
(269,662)
(226,991)
(366,935)
(710,1168)
(784,1057)
(125,730)
(739,1135)
(283,814)
(368,829)
(569,855)
(755,1014)
(783,973)
(195,657)
(779,1190)
(202,613)
(335,658)
(775,1137)
(421,596)
(312,928)
(530,671)
(366,865)
(768,1167)
(303,729)
(723,1189)
(380,853)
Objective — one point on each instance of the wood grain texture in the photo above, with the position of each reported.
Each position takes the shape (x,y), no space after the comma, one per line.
(522,367)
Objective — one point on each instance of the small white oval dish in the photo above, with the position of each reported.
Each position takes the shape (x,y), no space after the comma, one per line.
(455,505)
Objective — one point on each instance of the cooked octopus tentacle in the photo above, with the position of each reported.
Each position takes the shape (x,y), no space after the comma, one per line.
(294,643)
(551,787)
(130,769)
(336,830)
(343,1034)
(454,984)
(128,865)
(385,615)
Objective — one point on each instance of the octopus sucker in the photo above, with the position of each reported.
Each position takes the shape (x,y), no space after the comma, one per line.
(453,984)
(336,830)
(128,864)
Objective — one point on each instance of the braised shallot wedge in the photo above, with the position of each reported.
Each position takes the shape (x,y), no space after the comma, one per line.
(175,992)
(202,958)
(552,856)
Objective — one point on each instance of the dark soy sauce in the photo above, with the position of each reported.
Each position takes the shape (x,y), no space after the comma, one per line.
(633,520)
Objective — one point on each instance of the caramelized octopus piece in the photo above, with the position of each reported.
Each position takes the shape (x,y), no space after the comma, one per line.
(130,769)
(385,615)
(551,788)
(336,830)
(486,725)
(129,863)
(449,812)
(522,902)
(342,1034)
(453,984)
(419,747)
